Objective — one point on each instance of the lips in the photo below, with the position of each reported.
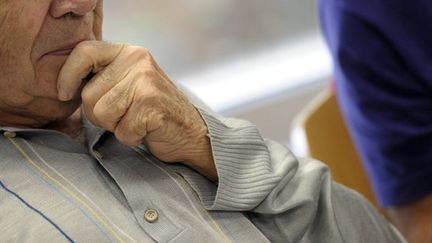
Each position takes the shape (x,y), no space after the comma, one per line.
(63,51)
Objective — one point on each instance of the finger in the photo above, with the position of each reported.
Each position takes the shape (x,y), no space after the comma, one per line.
(112,106)
(131,129)
(108,95)
(87,57)
(137,123)
(104,81)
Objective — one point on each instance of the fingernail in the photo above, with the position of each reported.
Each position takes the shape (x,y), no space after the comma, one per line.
(63,96)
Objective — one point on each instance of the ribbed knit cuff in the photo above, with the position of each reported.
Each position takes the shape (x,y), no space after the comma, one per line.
(243,165)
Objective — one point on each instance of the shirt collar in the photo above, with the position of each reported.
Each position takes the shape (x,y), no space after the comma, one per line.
(93,133)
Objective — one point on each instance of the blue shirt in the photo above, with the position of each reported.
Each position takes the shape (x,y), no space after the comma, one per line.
(383,67)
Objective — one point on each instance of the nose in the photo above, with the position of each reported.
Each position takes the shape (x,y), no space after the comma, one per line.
(60,8)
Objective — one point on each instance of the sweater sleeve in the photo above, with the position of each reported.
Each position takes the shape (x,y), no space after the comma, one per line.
(242,161)
(288,199)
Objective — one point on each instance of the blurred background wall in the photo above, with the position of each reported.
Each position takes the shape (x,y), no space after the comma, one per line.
(258,60)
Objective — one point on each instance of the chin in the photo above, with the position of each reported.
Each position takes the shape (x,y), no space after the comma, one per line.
(53,114)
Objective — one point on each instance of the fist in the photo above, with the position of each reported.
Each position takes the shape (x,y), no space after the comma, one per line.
(129,95)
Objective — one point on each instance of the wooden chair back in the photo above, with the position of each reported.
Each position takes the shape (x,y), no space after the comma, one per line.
(319,131)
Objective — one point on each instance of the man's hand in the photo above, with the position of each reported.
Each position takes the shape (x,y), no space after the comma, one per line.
(414,220)
(130,96)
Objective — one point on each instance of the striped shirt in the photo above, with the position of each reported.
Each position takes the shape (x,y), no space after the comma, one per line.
(52,188)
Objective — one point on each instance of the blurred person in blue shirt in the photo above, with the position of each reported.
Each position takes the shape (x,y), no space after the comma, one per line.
(383,69)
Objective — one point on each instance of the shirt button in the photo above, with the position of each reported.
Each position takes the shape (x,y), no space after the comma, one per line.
(151,215)
(98,155)
(9,134)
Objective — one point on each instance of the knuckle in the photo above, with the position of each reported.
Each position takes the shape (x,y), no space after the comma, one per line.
(138,128)
(84,47)
(100,112)
(150,84)
(155,119)
(125,138)
(148,76)
(105,78)
(107,108)
(141,53)
(117,98)
(111,107)
(151,99)
(119,134)
(87,95)
(144,52)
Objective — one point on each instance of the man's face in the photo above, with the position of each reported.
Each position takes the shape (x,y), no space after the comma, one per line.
(36,38)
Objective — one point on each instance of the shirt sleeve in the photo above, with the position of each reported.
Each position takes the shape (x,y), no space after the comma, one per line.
(383,72)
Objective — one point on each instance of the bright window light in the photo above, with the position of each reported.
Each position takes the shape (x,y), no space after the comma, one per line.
(231,85)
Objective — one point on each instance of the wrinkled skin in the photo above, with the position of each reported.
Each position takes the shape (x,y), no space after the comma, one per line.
(52,61)
(28,91)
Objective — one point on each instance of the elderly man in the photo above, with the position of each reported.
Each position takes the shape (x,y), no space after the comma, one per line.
(95,173)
